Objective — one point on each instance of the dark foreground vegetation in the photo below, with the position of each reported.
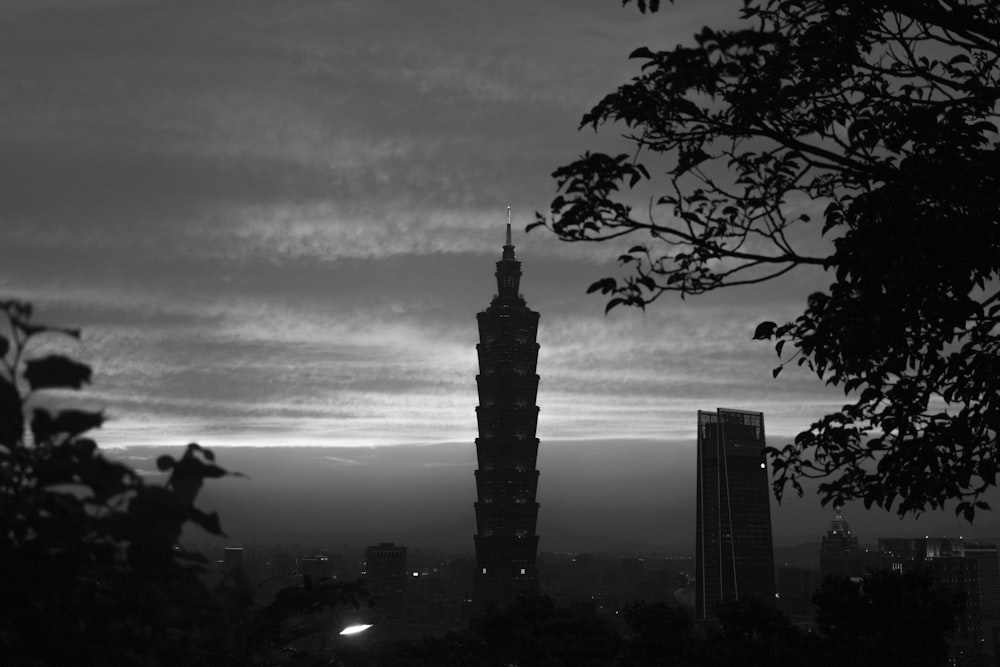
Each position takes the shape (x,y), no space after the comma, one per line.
(888,619)
(91,571)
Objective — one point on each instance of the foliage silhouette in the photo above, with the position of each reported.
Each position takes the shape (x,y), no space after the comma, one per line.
(754,633)
(531,632)
(311,612)
(888,618)
(882,116)
(92,570)
(660,634)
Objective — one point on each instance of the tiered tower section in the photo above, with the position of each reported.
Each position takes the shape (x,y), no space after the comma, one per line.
(507,449)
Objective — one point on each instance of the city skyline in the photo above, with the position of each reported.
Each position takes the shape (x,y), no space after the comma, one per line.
(257,211)
(276,388)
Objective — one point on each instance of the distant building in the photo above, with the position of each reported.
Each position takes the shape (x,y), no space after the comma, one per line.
(507,449)
(317,568)
(734,557)
(385,572)
(955,565)
(840,554)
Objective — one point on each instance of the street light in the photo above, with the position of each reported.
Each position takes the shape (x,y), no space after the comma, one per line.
(355,629)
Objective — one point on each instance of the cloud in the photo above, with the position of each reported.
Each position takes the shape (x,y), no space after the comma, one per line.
(324,368)
(260,372)
(344,460)
(193,124)
(276,222)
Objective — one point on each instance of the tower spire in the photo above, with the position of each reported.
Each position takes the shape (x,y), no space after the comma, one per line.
(508,249)
(508,226)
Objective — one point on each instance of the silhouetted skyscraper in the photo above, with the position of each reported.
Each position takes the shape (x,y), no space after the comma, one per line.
(733,552)
(507,449)
(840,555)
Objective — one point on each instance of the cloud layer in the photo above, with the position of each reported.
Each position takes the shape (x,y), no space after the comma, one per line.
(276,221)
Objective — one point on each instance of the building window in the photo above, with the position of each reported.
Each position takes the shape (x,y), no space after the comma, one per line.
(522,570)
(484,570)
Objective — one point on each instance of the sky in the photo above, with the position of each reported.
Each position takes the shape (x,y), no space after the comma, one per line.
(275,221)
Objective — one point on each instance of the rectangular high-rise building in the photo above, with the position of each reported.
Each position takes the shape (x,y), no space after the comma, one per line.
(734,558)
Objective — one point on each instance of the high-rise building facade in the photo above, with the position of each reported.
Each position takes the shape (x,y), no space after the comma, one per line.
(840,554)
(734,557)
(507,449)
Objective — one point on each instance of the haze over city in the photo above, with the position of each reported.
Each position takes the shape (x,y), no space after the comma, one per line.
(275,223)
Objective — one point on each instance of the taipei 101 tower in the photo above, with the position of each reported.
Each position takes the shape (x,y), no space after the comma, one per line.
(507,449)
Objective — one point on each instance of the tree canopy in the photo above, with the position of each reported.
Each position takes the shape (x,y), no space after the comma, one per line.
(888,618)
(879,120)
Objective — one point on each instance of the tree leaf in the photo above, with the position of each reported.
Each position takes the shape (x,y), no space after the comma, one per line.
(210,522)
(68,423)
(11,415)
(56,372)
(605,285)
(764,330)
(533,225)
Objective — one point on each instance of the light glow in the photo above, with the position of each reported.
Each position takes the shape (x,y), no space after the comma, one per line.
(355,629)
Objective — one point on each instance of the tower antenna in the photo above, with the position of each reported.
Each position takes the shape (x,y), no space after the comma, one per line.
(508,226)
